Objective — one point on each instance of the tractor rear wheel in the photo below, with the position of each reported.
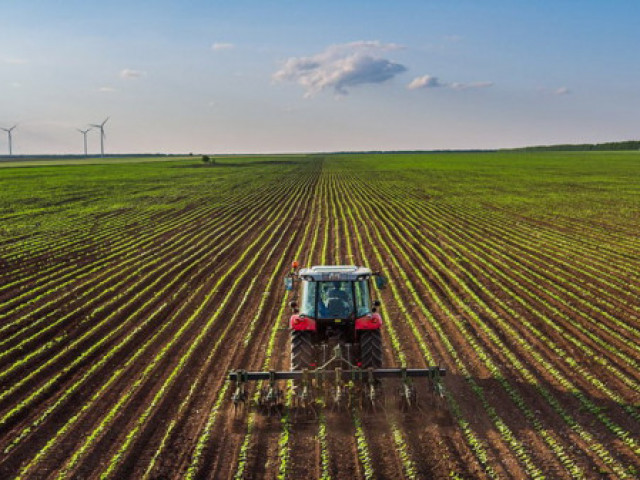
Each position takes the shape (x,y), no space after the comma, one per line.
(302,351)
(371,349)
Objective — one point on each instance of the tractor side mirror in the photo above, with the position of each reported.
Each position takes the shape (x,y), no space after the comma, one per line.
(381,281)
(294,306)
(288,283)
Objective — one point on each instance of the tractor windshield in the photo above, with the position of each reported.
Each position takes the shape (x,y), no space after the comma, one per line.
(335,299)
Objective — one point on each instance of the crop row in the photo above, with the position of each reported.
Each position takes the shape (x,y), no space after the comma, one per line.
(177,313)
(426,262)
(159,275)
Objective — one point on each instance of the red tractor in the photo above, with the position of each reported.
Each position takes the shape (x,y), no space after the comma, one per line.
(334,307)
(336,346)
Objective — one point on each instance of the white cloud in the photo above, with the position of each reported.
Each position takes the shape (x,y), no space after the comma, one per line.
(222,46)
(561,91)
(429,81)
(129,73)
(341,67)
(16,84)
(426,81)
(106,89)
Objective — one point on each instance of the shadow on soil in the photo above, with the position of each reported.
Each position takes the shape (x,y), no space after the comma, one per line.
(585,407)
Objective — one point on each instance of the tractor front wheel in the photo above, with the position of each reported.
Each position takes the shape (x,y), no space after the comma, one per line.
(302,351)
(371,348)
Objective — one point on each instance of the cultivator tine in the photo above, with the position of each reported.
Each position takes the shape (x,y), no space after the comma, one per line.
(342,394)
(408,396)
(239,396)
(270,399)
(304,398)
(338,390)
(372,391)
(337,397)
(438,388)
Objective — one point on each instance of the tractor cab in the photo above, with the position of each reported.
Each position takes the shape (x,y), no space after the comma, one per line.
(333,306)
(328,293)
(333,295)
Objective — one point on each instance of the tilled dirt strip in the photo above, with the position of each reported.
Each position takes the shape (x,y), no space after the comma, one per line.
(16,458)
(506,402)
(505,458)
(382,423)
(59,301)
(169,400)
(613,409)
(435,445)
(123,315)
(234,354)
(95,382)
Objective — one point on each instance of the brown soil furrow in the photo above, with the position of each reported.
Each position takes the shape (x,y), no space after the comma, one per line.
(541,405)
(167,402)
(235,355)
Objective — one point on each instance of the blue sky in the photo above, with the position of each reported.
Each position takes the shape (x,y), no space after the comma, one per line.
(291,76)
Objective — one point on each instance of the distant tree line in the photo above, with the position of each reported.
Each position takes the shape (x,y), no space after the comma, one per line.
(626,145)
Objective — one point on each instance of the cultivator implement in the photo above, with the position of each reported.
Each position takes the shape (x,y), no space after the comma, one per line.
(338,384)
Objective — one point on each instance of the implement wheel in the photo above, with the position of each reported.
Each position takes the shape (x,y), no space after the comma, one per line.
(302,351)
(371,348)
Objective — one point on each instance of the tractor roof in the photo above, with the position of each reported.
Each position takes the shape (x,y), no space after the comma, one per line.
(328,273)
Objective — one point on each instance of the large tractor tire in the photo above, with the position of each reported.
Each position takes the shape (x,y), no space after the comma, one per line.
(302,351)
(371,349)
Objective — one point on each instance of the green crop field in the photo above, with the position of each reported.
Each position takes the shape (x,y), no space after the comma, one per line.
(130,288)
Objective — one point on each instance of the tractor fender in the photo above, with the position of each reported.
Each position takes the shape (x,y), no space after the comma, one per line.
(372,321)
(298,322)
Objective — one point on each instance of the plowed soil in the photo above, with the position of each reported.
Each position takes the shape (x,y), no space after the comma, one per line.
(116,340)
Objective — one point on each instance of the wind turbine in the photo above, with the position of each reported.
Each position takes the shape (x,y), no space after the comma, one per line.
(102,135)
(9,130)
(84,134)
